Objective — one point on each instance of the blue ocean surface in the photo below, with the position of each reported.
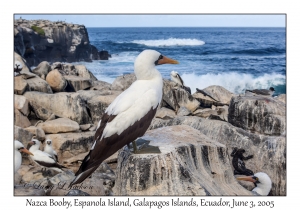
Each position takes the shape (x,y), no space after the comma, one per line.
(235,58)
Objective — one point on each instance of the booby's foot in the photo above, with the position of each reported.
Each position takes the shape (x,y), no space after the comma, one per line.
(135,150)
(143,147)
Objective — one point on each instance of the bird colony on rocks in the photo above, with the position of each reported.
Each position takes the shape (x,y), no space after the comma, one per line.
(78,131)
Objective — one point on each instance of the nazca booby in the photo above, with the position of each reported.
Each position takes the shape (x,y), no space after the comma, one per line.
(265,92)
(42,158)
(49,149)
(262,182)
(129,115)
(19,147)
(175,77)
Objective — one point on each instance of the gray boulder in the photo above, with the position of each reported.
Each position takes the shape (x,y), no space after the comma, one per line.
(269,151)
(123,82)
(83,72)
(62,104)
(38,84)
(100,85)
(20,119)
(22,135)
(219,93)
(42,69)
(189,164)
(260,114)
(60,125)
(20,86)
(165,113)
(78,83)
(21,103)
(281,97)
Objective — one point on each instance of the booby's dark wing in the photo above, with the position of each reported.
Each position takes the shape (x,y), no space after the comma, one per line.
(47,164)
(260,91)
(205,93)
(46,160)
(55,157)
(181,80)
(105,147)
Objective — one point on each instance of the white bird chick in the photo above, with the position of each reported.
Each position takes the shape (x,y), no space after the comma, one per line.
(49,149)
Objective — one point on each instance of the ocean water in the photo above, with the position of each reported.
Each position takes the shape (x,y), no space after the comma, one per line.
(235,58)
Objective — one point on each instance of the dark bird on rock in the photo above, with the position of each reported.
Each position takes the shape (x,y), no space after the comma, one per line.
(18,67)
(205,93)
(129,115)
(264,92)
(238,162)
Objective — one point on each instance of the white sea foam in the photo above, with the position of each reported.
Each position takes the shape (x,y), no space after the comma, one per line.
(170,42)
(124,57)
(234,82)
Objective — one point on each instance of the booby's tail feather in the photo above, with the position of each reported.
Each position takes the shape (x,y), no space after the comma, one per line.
(82,176)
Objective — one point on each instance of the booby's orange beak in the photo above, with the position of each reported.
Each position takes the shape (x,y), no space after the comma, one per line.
(246,178)
(166,60)
(26,151)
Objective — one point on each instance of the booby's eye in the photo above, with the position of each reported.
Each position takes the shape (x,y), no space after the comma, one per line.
(256,179)
(21,148)
(159,58)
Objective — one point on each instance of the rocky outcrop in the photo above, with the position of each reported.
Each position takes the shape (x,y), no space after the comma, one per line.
(21,61)
(20,85)
(261,114)
(195,142)
(42,69)
(104,55)
(61,104)
(281,97)
(68,145)
(60,125)
(43,40)
(123,82)
(21,103)
(101,85)
(38,84)
(78,83)
(190,163)
(20,119)
(37,132)
(219,93)
(165,113)
(269,151)
(22,135)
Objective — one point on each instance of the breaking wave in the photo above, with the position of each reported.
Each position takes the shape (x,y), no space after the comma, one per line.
(236,82)
(170,42)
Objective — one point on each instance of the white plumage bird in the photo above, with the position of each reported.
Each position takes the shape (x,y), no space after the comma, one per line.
(262,182)
(129,115)
(19,147)
(49,149)
(175,77)
(42,158)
